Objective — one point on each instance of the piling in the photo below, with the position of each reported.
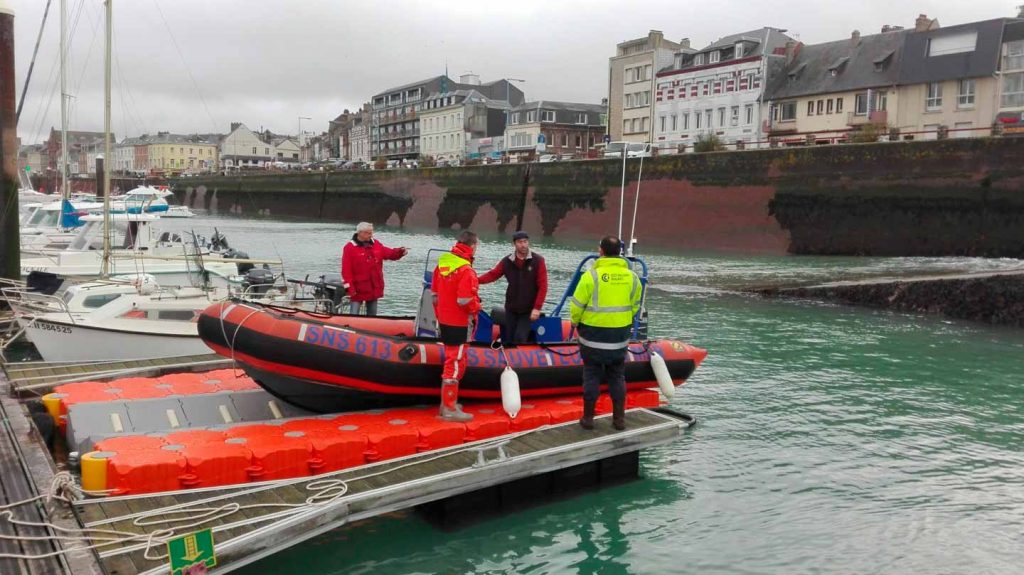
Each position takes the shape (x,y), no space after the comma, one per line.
(10,250)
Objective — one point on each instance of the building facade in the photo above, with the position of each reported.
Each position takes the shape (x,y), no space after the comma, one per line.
(631,84)
(242,148)
(566,129)
(359,139)
(449,121)
(174,154)
(395,123)
(1011,85)
(718,89)
(829,89)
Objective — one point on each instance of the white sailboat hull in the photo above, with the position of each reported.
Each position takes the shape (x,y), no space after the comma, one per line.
(59,341)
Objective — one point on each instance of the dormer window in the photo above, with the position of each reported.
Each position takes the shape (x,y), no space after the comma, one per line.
(738,50)
(883,61)
(714,56)
(837,67)
(698,60)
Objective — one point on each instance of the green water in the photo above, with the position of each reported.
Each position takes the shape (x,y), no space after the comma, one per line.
(831,439)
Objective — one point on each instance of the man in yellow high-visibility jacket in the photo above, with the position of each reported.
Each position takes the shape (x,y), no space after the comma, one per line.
(602,308)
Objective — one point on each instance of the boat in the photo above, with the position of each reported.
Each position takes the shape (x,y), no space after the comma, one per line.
(52,225)
(338,362)
(172,259)
(149,200)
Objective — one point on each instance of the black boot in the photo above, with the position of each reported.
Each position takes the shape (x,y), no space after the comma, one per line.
(587,421)
(619,415)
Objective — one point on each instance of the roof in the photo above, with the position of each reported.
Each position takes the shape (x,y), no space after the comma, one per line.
(858,64)
(558,106)
(919,67)
(755,43)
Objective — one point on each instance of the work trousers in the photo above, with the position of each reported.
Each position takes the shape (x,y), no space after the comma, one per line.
(454,339)
(517,328)
(371,307)
(611,374)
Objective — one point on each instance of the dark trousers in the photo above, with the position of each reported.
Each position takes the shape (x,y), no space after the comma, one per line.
(371,307)
(517,328)
(612,374)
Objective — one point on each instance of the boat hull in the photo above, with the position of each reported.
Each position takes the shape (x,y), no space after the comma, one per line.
(64,341)
(338,363)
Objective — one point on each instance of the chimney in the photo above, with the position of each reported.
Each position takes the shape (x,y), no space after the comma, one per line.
(922,23)
(790,51)
(684,43)
(855,37)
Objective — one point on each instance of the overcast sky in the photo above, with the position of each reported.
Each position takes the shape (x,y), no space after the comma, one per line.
(196,65)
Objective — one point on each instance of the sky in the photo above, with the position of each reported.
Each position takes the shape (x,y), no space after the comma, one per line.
(189,66)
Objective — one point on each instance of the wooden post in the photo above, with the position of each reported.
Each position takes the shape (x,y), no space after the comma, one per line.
(10,250)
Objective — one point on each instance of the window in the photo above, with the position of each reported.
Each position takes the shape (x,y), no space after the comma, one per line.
(830,106)
(1013,90)
(579,141)
(674,123)
(629,100)
(531,116)
(696,120)
(721,117)
(95,301)
(788,111)
(963,130)
(748,114)
(1014,57)
(662,120)
(734,116)
(698,60)
(739,50)
(952,43)
(810,108)
(860,104)
(686,121)
(254,150)
(515,118)
(933,101)
(581,118)
(547,116)
(707,118)
(965,99)
(645,127)
(839,105)
(881,100)
(565,140)
(625,126)
(266,151)
(715,55)
(821,107)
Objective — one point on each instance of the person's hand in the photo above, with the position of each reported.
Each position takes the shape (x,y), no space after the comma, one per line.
(404,251)
(534,315)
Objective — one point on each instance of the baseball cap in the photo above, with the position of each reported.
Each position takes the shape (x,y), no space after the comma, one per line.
(520,235)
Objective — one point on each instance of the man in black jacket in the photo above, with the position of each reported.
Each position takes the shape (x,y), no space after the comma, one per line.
(527,277)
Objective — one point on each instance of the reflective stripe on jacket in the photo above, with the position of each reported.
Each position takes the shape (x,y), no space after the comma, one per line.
(455,284)
(604,303)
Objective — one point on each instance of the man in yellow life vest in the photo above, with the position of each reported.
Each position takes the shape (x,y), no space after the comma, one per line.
(602,308)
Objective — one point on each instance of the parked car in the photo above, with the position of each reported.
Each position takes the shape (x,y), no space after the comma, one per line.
(544,158)
(633,150)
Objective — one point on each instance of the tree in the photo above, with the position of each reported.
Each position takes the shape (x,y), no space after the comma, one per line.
(708,142)
(868,133)
(380,163)
(428,162)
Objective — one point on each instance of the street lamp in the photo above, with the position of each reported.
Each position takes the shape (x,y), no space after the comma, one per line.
(508,110)
(301,118)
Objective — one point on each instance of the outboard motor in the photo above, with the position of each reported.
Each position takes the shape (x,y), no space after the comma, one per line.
(218,242)
(258,281)
(331,288)
(233,254)
(45,283)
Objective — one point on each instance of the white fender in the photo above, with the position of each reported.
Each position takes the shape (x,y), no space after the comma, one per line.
(662,375)
(510,399)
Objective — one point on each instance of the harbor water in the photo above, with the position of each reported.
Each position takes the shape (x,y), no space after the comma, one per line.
(830,439)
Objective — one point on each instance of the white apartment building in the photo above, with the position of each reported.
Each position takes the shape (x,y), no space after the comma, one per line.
(718,89)
(631,84)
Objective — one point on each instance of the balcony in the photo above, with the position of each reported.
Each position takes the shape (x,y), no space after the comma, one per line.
(875,117)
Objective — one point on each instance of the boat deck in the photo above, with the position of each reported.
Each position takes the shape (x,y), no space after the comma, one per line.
(252,521)
(40,377)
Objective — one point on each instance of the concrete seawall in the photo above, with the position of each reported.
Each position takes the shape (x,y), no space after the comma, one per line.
(990,298)
(936,198)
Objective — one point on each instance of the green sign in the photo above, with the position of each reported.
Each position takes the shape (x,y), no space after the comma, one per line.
(192,554)
(28,168)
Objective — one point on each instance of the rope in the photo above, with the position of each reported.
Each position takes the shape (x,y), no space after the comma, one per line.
(324,492)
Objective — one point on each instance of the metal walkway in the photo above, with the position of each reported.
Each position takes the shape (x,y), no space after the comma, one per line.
(253,521)
(27,471)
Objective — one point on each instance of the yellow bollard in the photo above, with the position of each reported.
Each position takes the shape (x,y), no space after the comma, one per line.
(51,401)
(94,470)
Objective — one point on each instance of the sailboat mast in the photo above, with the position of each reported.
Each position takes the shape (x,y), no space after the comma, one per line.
(64,99)
(106,144)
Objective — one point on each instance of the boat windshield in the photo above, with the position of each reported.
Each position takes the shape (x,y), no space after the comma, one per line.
(43,218)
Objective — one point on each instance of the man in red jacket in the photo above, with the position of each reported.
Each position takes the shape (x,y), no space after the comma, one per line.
(527,276)
(362,268)
(456,304)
